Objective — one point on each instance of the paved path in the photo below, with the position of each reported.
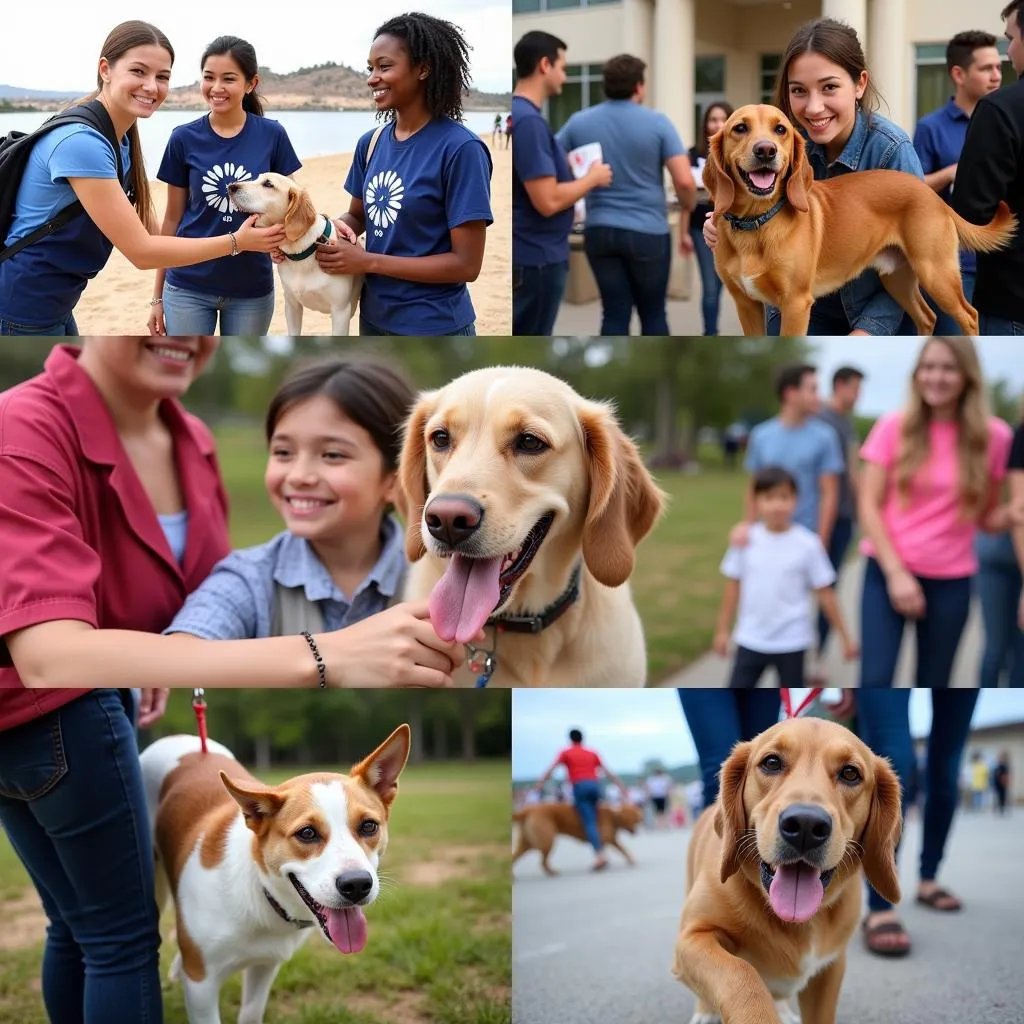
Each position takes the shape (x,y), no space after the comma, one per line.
(711,670)
(596,949)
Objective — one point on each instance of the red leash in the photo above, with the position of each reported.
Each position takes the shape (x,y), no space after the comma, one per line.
(199,706)
(804,704)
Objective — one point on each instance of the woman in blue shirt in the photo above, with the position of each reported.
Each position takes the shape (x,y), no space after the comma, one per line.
(423,196)
(41,283)
(824,89)
(234,142)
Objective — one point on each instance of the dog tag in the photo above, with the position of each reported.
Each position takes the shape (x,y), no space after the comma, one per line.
(481,662)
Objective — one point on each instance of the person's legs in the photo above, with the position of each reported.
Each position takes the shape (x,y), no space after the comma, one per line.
(747,668)
(881,631)
(66,328)
(710,283)
(647,268)
(189,312)
(790,667)
(586,796)
(989,326)
(247,316)
(839,542)
(73,807)
(951,722)
(998,587)
(608,255)
(947,604)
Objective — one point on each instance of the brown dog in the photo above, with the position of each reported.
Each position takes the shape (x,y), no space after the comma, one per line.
(774,872)
(826,233)
(540,823)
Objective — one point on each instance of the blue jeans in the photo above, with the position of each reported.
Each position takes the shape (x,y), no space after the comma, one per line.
(191,312)
(883,723)
(631,269)
(65,329)
(997,326)
(367,329)
(718,719)
(73,807)
(585,796)
(998,585)
(828,318)
(710,282)
(536,295)
(842,534)
(947,603)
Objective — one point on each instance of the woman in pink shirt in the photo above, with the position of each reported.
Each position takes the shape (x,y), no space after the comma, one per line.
(932,478)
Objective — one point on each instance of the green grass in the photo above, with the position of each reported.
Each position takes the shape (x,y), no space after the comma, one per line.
(676,584)
(439,945)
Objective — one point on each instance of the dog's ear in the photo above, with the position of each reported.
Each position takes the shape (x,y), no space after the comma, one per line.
(882,833)
(259,803)
(624,501)
(730,814)
(801,175)
(300,215)
(717,179)
(381,769)
(413,486)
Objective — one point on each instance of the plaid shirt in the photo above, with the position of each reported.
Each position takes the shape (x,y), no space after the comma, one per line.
(236,601)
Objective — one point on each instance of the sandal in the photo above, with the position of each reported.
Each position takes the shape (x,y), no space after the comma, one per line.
(886,928)
(937,896)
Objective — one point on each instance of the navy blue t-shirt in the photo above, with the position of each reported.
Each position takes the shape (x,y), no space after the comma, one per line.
(536,153)
(414,192)
(199,159)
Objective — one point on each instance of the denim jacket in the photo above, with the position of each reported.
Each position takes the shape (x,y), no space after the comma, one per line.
(875,144)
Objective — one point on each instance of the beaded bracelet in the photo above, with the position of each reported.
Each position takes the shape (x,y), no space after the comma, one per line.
(320,666)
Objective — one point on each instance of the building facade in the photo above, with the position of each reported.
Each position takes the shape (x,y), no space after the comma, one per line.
(699,51)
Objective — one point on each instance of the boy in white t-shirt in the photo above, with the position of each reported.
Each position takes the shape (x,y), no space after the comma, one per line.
(771,580)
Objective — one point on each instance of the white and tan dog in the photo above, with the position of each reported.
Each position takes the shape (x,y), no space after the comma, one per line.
(525,503)
(279,200)
(255,869)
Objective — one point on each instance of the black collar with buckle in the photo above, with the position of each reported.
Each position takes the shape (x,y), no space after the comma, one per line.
(323,237)
(753,223)
(553,612)
(283,914)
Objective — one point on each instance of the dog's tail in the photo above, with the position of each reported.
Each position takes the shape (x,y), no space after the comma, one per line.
(987,237)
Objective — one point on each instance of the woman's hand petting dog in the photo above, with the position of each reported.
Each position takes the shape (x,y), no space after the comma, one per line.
(346,257)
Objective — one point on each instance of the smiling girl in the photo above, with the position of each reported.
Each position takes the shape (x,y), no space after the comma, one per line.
(41,283)
(233,142)
(423,195)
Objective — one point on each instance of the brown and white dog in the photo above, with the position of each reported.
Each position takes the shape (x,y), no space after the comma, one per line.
(255,869)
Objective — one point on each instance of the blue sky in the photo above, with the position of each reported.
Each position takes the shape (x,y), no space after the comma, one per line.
(56,45)
(629,727)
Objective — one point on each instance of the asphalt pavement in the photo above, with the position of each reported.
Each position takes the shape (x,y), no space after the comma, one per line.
(597,948)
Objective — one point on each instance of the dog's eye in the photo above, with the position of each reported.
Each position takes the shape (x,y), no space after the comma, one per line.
(369,828)
(267,184)
(772,764)
(531,444)
(308,834)
(739,128)
(780,129)
(849,774)
(440,440)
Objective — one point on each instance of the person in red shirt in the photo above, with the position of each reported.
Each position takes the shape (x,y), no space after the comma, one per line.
(582,766)
(112,511)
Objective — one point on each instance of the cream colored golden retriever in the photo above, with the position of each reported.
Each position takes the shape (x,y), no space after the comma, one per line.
(774,873)
(525,503)
(279,200)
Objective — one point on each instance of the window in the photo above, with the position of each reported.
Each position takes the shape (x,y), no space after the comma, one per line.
(933,86)
(770,64)
(584,86)
(709,74)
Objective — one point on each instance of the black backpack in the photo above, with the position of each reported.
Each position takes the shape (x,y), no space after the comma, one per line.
(15,148)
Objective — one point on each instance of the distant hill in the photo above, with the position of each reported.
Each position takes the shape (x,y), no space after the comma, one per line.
(327,86)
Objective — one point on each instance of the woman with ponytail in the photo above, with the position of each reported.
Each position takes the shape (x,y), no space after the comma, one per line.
(234,142)
(41,283)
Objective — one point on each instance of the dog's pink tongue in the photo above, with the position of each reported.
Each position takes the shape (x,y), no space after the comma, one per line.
(347,928)
(796,892)
(464,596)
(763,179)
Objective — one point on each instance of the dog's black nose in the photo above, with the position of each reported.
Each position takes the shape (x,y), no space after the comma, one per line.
(805,827)
(452,518)
(765,150)
(355,885)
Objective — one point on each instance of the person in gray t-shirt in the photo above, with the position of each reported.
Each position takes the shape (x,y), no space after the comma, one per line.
(837,412)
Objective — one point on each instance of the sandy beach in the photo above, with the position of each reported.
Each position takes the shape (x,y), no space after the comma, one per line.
(116,301)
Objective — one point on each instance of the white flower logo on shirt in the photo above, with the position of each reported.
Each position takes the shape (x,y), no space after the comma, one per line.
(383,198)
(215,185)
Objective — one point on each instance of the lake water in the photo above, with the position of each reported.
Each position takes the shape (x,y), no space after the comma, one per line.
(312,132)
